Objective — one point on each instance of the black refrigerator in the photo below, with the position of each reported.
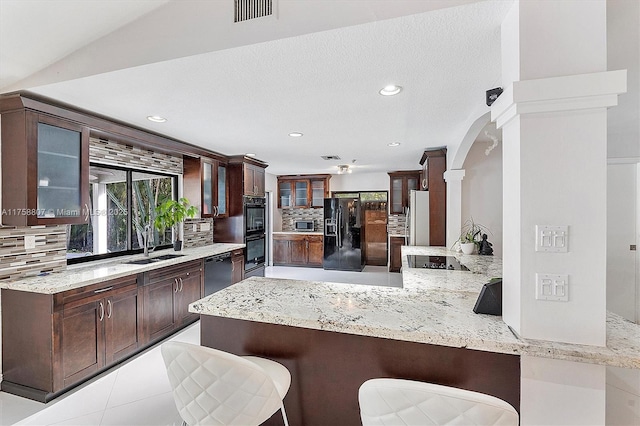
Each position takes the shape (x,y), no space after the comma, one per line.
(342,222)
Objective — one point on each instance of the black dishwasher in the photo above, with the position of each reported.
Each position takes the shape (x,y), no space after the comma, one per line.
(217,273)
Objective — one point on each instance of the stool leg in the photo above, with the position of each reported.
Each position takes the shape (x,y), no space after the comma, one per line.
(284,415)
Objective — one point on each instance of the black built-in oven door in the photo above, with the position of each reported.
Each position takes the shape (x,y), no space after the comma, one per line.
(254,251)
(254,216)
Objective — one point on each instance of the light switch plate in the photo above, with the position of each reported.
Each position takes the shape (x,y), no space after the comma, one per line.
(552,238)
(29,242)
(552,287)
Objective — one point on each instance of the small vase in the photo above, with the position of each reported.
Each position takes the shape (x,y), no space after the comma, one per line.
(177,245)
(468,248)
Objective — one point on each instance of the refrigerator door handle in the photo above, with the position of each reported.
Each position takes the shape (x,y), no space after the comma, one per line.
(339,227)
(406,227)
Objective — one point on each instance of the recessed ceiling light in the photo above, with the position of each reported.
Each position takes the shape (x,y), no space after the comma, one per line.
(156,119)
(295,134)
(393,144)
(390,90)
(250,154)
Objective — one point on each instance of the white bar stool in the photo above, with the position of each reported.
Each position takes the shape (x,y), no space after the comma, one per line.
(407,402)
(212,387)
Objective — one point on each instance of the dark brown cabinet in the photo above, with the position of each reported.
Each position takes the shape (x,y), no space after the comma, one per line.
(395,255)
(253,180)
(237,266)
(167,293)
(401,183)
(45,169)
(54,341)
(303,191)
(298,250)
(98,328)
(205,185)
(434,163)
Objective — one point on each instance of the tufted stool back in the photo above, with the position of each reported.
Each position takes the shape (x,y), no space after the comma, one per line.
(407,402)
(218,388)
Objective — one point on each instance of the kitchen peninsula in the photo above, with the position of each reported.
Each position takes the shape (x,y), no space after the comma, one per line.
(62,328)
(333,336)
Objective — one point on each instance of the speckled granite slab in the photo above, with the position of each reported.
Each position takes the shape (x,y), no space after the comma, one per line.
(434,307)
(95,272)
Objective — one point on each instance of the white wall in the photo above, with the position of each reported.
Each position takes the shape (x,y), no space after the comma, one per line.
(482,190)
(358,181)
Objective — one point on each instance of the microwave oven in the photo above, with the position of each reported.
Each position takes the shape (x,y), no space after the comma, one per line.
(304,225)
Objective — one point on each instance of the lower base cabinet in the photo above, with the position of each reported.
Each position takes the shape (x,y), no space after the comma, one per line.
(395,255)
(298,250)
(237,266)
(167,293)
(51,342)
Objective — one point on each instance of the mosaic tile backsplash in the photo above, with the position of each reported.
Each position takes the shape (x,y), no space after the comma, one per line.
(289,216)
(201,236)
(396,223)
(49,254)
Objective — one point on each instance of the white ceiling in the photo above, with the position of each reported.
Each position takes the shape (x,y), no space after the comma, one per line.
(239,88)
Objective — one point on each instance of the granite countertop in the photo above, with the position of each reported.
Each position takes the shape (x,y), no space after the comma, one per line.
(434,307)
(297,233)
(84,274)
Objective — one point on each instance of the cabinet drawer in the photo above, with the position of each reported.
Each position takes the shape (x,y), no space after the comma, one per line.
(160,274)
(315,238)
(94,291)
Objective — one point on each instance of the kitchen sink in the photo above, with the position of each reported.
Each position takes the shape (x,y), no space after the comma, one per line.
(168,256)
(142,261)
(148,260)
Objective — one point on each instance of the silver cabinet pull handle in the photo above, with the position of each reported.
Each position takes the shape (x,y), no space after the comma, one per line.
(102,290)
(101,316)
(109,308)
(176,281)
(181,284)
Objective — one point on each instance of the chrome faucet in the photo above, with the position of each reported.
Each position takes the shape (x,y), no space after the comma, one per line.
(146,236)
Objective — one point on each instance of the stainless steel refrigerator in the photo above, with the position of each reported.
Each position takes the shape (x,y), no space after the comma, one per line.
(417,219)
(342,234)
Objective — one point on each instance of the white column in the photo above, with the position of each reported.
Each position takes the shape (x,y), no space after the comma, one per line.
(454,204)
(554,165)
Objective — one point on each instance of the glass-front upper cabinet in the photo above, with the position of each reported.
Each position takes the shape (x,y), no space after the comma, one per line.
(284,194)
(207,189)
(401,184)
(222,190)
(302,191)
(318,194)
(45,170)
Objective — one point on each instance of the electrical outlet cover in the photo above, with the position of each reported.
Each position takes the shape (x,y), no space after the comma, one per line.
(552,287)
(552,238)
(29,242)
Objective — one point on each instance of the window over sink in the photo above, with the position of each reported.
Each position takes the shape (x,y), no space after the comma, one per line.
(122,203)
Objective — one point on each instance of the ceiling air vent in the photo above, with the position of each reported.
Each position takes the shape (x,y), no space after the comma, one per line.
(251,9)
(330,157)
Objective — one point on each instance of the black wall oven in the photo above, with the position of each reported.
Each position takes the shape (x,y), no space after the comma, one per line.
(254,236)
(254,216)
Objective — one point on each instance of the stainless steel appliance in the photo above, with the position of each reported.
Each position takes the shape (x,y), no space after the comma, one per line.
(417,219)
(304,225)
(217,273)
(342,226)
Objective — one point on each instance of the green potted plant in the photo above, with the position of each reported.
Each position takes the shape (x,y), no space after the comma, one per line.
(470,236)
(170,214)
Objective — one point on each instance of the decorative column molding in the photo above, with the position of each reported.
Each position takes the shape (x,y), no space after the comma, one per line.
(555,94)
(454,204)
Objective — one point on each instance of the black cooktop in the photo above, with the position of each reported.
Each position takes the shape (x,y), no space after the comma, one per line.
(436,262)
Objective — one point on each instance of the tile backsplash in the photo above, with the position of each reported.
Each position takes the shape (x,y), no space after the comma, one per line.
(198,232)
(396,224)
(289,216)
(49,254)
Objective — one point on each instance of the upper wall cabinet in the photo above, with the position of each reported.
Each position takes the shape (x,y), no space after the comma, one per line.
(401,183)
(303,191)
(205,185)
(253,180)
(45,170)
